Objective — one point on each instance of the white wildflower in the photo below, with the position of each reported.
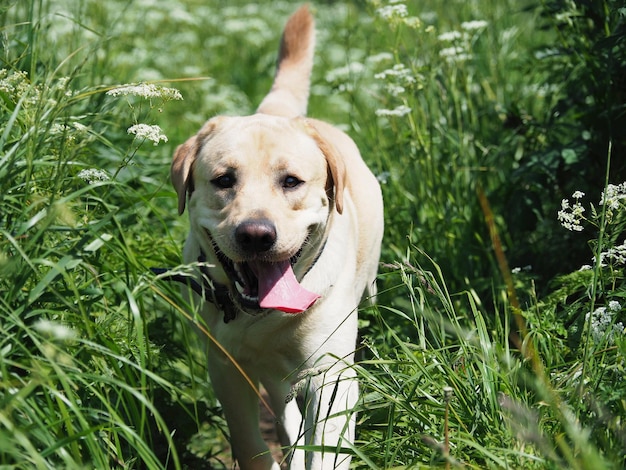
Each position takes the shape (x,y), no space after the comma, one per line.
(395,90)
(392,12)
(614,255)
(12,82)
(55,330)
(398,111)
(474,25)
(399,73)
(62,82)
(614,306)
(450,36)
(454,54)
(613,196)
(145,131)
(571,216)
(413,22)
(62,85)
(93,175)
(58,129)
(146,90)
(18,87)
(602,323)
(380,57)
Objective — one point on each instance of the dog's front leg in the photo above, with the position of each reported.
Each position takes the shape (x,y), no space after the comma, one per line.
(241,408)
(290,428)
(329,414)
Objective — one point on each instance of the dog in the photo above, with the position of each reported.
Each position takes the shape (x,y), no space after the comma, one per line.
(287,221)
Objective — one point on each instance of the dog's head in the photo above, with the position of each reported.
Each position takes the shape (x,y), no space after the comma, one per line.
(260,190)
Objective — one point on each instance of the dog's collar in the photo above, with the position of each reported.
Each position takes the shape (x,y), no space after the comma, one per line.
(208,289)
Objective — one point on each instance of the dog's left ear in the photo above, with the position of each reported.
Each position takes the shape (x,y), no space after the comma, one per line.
(335,163)
(180,173)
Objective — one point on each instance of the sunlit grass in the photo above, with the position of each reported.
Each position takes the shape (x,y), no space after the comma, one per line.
(98,367)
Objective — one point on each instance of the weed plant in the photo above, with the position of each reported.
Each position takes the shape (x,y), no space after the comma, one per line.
(494,129)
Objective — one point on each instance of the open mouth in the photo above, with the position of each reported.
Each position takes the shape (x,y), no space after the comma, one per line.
(244,280)
(245,276)
(262,284)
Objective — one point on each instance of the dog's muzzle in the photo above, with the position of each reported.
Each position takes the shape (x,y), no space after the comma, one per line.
(258,282)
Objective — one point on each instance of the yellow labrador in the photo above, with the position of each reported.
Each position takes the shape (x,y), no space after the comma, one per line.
(288,220)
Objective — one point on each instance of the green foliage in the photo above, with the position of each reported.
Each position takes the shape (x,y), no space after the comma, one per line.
(82,385)
(521,102)
(461,395)
(584,65)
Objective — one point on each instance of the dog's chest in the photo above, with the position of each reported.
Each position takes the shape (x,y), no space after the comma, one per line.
(263,343)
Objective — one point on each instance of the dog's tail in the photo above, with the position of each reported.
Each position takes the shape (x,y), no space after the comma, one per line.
(290,91)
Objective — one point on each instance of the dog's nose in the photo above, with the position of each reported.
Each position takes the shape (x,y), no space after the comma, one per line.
(256,236)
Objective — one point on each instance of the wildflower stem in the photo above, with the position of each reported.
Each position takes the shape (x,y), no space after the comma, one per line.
(596,276)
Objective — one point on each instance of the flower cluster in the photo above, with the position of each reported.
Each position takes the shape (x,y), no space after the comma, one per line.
(13,82)
(145,131)
(396,13)
(398,111)
(602,324)
(459,49)
(55,330)
(571,215)
(614,198)
(17,86)
(615,255)
(393,12)
(396,80)
(455,54)
(450,36)
(474,25)
(93,175)
(146,90)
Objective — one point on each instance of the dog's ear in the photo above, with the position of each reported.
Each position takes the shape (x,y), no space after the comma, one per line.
(336,164)
(185,155)
(180,173)
(337,169)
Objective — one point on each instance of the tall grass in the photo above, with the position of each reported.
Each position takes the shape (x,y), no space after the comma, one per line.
(451,104)
(84,383)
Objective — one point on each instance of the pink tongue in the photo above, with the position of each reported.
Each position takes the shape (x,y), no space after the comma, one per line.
(279,289)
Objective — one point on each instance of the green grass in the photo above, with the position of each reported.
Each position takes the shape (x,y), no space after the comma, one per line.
(487,348)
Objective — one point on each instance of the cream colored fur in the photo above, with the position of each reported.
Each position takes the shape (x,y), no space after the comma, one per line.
(331,221)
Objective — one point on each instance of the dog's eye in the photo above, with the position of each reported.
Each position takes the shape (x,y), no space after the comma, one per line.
(291,182)
(224,181)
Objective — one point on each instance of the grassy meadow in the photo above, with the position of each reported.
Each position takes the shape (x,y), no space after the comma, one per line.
(497,131)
